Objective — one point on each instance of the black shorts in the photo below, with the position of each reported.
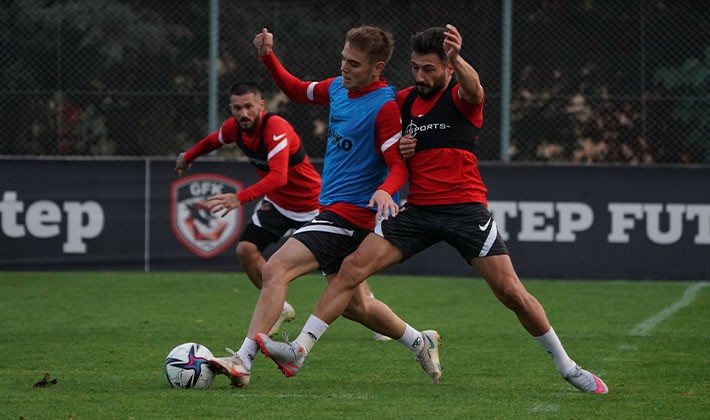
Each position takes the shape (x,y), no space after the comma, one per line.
(268,225)
(467,227)
(330,238)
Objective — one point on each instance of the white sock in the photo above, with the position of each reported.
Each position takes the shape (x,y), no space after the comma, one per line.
(412,339)
(551,343)
(310,333)
(247,352)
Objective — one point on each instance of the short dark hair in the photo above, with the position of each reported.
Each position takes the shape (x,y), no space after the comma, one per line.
(430,41)
(378,44)
(242,88)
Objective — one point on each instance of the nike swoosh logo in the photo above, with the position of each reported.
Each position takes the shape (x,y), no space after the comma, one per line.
(279,137)
(239,374)
(484,227)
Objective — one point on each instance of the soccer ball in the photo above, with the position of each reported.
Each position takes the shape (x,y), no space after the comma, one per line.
(186,366)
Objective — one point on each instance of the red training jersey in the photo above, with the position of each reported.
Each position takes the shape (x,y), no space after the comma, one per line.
(295,188)
(444,175)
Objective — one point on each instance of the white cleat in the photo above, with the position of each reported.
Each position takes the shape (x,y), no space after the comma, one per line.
(429,356)
(288,314)
(288,356)
(380,337)
(585,381)
(233,367)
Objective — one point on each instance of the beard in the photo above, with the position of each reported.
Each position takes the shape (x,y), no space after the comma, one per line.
(427,92)
(247,125)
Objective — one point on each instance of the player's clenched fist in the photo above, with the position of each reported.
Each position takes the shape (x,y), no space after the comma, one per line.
(264,42)
(407,145)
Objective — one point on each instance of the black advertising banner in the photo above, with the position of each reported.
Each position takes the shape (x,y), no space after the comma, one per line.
(118,215)
(67,215)
(593,222)
(605,222)
(574,222)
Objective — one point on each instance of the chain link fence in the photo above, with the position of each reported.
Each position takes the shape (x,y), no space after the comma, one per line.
(609,81)
(592,80)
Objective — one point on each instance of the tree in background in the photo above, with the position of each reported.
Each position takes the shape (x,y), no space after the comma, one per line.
(690,83)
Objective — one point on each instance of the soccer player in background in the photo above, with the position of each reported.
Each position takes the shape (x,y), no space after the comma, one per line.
(363,168)
(288,182)
(442,114)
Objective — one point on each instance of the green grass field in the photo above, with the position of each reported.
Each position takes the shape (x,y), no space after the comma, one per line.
(104,337)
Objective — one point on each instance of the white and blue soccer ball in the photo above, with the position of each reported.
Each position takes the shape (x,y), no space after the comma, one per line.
(186,366)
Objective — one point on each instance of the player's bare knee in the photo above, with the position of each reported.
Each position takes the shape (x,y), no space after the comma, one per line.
(273,275)
(356,310)
(353,271)
(247,252)
(512,295)
(351,314)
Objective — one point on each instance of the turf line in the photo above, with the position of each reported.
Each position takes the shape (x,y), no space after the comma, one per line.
(646,326)
(545,408)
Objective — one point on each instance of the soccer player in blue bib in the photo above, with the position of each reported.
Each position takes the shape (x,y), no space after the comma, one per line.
(363,169)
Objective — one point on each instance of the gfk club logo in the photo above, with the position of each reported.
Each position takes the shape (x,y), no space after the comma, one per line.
(202,232)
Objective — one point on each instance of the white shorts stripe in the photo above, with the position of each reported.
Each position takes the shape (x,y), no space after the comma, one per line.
(255,220)
(327,229)
(378,228)
(489,240)
(309,91)
(305,216)
(299,216)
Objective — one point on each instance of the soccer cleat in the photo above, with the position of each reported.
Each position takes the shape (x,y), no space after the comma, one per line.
(585,381)
(380,337)
(233,367)
(288,314)
(288,356)
(429,356)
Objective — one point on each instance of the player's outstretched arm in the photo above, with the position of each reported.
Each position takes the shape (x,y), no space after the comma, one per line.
(470,84)
(180,165)
(297,90)
(204,146)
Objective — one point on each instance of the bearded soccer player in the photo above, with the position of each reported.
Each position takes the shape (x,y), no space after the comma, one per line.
(288,182)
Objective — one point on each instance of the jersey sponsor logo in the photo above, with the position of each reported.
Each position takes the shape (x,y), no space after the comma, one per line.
(412,129)
(202,232)
(339,141)
(279,137)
